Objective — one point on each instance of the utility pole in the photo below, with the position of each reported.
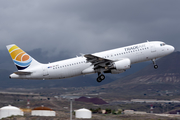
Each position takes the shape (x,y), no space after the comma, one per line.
(71,108)
(28,104)
(151,108)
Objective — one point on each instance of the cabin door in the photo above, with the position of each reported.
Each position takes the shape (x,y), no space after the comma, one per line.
(153,48)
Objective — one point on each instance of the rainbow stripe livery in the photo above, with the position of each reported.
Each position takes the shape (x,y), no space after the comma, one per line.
(21,59)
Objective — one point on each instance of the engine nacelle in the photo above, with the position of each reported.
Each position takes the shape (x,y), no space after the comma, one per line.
(122,64)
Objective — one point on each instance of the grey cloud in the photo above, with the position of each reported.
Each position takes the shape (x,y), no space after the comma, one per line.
(87,26)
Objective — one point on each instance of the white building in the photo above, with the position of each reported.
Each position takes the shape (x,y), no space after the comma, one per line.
(83,113)
(8,111)
(43,111)
(128,112)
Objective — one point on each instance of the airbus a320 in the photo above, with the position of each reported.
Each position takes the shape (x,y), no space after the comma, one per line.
(113,61)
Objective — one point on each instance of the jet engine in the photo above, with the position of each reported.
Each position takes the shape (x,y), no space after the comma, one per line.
(122,64)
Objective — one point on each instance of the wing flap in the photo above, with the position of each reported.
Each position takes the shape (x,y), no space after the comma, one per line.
(98,62)
(95,59)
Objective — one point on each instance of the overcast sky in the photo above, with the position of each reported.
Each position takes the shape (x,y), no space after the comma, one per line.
(87,26)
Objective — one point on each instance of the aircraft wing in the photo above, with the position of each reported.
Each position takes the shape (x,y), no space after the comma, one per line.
(98,62)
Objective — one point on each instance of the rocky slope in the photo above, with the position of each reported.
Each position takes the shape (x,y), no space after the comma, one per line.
(166,77)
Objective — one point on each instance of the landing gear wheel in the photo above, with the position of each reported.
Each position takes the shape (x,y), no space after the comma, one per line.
(156,66)
(99,79)
(102,77)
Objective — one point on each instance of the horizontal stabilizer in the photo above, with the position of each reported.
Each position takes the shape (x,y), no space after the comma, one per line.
(22,73)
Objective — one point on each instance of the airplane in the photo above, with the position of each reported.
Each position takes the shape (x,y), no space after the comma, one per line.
(113,61)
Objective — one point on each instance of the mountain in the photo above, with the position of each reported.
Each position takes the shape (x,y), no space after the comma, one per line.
(166,77)
(168,72)
(7,67)
(98,101)
(81,81)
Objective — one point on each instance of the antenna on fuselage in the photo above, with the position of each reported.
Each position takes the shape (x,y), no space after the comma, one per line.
(147,40)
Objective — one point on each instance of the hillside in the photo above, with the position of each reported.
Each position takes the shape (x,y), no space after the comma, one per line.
(81,81)
(165,78)
(168,72)
(7,67)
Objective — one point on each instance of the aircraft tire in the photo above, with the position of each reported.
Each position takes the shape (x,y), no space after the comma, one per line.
(156,66)
(99,80)
(102,77)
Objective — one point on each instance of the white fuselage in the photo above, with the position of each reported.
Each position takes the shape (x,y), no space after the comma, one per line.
(75,66)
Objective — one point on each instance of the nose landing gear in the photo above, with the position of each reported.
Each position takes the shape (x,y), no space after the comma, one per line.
(155,65)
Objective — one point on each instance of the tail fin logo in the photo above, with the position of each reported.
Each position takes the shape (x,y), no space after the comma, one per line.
(20,58)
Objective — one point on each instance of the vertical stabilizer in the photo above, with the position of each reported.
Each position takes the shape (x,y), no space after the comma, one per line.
(20,58)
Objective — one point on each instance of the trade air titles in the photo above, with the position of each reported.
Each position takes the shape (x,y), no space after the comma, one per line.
(135,47)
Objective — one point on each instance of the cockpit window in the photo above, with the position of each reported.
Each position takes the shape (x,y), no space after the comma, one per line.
(162,44)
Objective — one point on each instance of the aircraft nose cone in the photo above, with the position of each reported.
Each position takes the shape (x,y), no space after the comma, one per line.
(172,48)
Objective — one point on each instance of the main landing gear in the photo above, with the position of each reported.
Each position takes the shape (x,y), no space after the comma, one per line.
(155,65)
(100,78)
